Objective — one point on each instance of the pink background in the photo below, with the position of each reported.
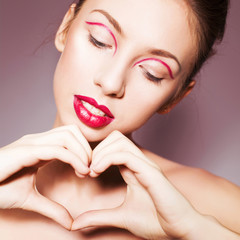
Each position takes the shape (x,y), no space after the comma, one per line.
(203,131)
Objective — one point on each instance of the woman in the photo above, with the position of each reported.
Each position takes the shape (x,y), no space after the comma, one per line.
(111,78)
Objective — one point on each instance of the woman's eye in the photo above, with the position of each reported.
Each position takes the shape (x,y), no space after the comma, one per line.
(97,43)
(149,76)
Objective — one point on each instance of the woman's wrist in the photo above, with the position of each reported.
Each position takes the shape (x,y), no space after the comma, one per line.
(208,228)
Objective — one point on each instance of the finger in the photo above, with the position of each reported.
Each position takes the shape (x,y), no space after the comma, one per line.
(114,143)
(109,148)
(38,203)
(117,142)
(69,137)
(13,160)
(46,153)
(128,175)
(145,173)
(69,141)
(99,218)
(106,142)
(117,218)
(127,159)
(168,200)
(77,133)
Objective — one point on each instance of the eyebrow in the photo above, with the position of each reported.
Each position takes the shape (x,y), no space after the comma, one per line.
(110,19)
(164,53)
(156,52)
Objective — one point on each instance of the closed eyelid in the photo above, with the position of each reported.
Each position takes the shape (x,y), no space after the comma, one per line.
(107,28)
(158,60)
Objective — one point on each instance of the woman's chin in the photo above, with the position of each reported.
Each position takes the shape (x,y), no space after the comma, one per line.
(92,135)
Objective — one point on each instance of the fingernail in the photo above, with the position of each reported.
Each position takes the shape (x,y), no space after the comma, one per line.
(87,170)
(94,166)
(93,174)
(79,175)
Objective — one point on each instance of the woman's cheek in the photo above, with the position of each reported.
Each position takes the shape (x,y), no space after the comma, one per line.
(74,62)
(152,98)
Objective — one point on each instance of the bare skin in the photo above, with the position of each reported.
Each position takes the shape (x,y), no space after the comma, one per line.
(201,188)
(114,185)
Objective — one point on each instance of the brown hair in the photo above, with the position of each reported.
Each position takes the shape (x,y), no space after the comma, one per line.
(211,21)
(209,17)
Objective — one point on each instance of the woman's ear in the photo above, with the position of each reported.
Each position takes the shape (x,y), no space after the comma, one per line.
(61,36)
(183,95)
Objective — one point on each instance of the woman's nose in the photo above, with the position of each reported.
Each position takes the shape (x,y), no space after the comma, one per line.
(112,81)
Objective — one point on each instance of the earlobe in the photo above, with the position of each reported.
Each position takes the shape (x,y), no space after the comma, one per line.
(61,36)
(183,95)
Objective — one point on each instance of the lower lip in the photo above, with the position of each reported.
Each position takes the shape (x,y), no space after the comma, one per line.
(88,118)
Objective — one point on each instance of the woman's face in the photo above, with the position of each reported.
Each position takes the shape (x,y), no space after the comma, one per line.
(128,55)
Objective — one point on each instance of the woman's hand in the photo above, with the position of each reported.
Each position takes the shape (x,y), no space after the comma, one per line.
(153,208)
(19,163)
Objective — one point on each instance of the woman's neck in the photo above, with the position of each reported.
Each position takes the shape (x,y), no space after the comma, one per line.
(58,181)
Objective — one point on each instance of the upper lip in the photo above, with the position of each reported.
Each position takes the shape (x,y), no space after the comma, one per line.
(95,104)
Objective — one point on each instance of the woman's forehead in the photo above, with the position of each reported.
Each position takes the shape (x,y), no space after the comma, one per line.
(143,11)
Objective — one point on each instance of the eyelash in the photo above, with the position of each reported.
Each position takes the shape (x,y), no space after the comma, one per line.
(96,43)
(101,45)
(149,76)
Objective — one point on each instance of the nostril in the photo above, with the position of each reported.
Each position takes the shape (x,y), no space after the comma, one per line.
(117,95)
(111,86)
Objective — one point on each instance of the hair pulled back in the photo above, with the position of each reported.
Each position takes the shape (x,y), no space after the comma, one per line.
(211,21)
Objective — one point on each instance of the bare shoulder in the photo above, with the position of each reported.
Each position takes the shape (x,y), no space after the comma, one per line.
(208,193)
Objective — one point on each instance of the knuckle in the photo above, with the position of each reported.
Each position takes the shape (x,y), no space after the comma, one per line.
(116,133)
(124,143)
(32,139)
(26,139)
(73,127)
(65,136)
(62,213)
(27,201)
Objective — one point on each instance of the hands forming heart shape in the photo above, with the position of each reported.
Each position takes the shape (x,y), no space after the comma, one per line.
(152,207)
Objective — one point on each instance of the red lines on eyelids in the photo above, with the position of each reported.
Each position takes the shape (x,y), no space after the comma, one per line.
(116,47)
(158,60)
(103,25)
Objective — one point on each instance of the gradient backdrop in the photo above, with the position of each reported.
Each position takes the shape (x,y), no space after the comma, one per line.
(203,131)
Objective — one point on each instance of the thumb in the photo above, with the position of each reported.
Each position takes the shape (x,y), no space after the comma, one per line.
(99,218)
(55,211)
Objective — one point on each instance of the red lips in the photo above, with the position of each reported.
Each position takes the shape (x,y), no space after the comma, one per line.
(89,118)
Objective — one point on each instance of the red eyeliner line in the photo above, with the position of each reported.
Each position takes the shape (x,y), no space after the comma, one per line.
(158,60)
(102,25)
